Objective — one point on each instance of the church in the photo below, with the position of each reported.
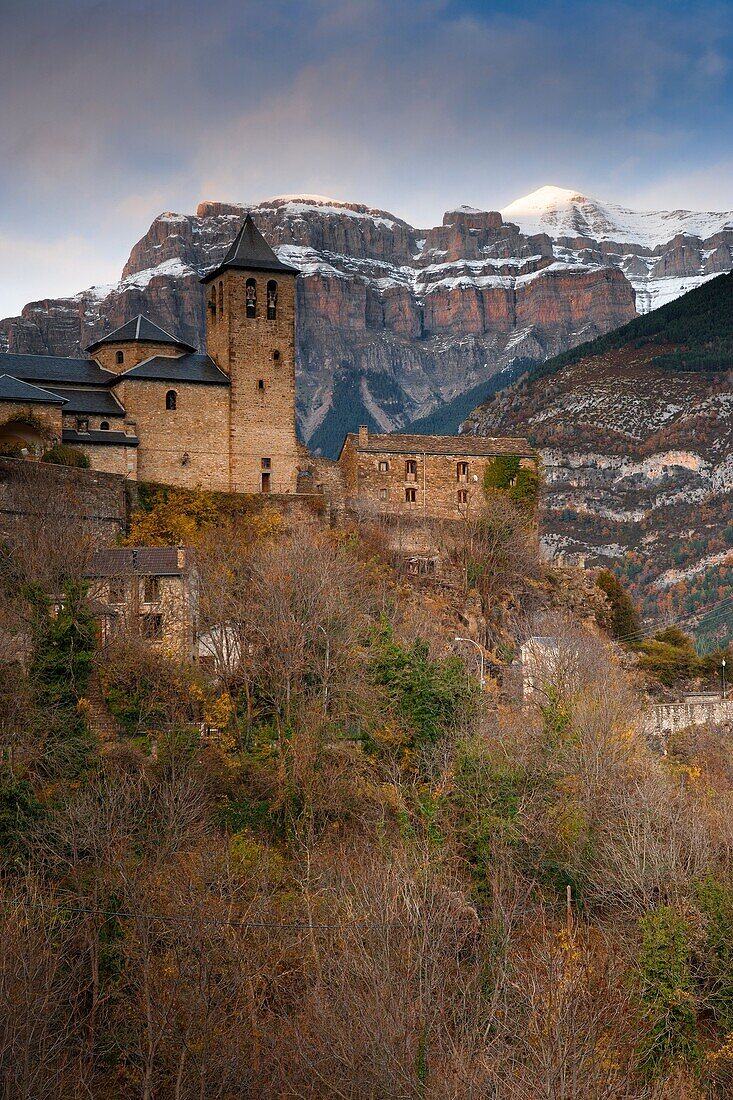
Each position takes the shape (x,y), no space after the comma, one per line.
(145,405)
(149,407)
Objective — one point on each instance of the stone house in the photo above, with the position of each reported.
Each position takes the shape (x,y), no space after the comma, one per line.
(423,476)
(150,591)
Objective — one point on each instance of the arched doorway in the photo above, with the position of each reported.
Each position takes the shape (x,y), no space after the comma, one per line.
(19,435)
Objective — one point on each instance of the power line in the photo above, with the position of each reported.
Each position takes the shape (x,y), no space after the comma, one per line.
(665,624)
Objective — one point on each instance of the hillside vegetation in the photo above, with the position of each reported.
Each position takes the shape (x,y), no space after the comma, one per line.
(327,865)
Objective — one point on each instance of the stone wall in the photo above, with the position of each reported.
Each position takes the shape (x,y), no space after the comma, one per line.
(42,489)
(695,710)
(133,353)
(110,458)
(186,446)
(420,484)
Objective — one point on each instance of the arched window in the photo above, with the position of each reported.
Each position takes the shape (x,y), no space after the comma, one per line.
(104,426)
(212,303)
(170,400)
(250,297)
(276,356)
(221,299)
(119,357)
(271,300)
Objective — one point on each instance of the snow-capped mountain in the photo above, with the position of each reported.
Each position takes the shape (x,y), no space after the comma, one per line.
(663,253)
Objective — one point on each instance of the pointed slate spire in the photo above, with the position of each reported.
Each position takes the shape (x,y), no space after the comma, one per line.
(249,251)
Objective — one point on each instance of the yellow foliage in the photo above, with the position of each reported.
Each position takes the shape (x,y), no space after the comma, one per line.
(177,517)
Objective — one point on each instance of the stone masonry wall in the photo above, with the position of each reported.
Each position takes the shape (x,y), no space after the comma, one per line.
(40,488)
(134,353)
(381,481)
(187,446)
(110,458)
(43,419)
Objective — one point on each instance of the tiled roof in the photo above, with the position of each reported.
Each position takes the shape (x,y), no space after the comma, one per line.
(54,368)
(97,435)
(159,561)
(140,330)
(250,251)
(477,445)
(12,389)
(177,368)
(93,402)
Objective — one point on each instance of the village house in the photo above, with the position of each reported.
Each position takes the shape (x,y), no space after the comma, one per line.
(147,591)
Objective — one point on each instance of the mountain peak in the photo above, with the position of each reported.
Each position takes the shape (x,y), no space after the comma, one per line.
(545,199)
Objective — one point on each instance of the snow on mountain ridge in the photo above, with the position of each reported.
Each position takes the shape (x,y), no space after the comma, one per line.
(561,212)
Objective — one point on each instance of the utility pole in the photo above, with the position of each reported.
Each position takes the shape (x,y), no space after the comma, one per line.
(722,671)
(470,641)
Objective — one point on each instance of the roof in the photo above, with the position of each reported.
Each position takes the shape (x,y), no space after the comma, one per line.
(93,402)
(98,435)
(249,251)
(196,367)
(55,368)
(12,389)
(139,330)
(468,445)
(159,561)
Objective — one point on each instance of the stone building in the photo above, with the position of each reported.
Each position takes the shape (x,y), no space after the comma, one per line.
(148,406)
(431,476)
(149,591)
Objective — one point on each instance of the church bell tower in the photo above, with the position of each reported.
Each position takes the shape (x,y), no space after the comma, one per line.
(250,335)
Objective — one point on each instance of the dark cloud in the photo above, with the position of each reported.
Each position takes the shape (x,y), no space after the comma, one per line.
(115,111)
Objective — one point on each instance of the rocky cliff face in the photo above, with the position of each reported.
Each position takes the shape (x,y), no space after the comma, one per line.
(395,322)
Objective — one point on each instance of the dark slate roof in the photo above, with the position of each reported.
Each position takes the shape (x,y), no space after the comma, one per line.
(12,389)
(93,402)
(250,251)
(97,435)
(139,330)
(177,368)
(160,561)
(55,368)
(459,445)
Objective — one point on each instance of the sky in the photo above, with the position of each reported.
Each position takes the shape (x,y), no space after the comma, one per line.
(113,111)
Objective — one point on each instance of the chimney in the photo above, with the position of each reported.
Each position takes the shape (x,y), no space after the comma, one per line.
(181,558)
(363,435)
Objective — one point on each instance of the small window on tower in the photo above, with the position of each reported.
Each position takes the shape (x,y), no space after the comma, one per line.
(104,426)
(462,496)
(119,358)
(212,303)
(82,424)
(266,463)
(250,297)
(383,466)
(276,356)
(410,495)
(271,300)
(260,383)
(171,400)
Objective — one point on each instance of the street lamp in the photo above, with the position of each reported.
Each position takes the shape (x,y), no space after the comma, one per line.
(480,653)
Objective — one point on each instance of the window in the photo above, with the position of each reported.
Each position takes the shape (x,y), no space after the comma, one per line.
(212,303)
(151,589)
(410,495)
(462,495)
(117,591)
(276,356)
(271,300)
(266,463)
(152,626)
(382,494)
(265,467)
(260,383)
(250,298)
(383,466)
(104,426)
(171,400)
(461,471)
(221,299)
(82,424)
(119,358)
(411,469)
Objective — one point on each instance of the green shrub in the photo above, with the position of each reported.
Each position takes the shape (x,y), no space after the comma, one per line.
(63,455)
(624,615)
(668,993)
